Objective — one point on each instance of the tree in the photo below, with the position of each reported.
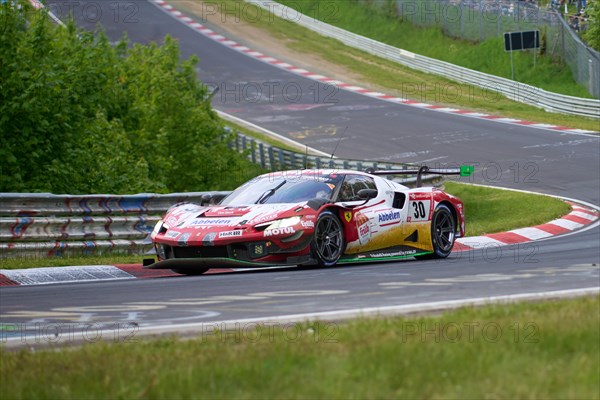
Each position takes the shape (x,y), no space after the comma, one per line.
(79,115)
(592,33)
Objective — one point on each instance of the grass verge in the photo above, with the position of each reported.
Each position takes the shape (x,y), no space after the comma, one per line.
(384,75)
(495,210)
(488,56)
(528,350)
(487,210)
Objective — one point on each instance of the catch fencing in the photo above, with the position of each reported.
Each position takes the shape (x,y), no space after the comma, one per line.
(476,21)
(38,225)
(513,90)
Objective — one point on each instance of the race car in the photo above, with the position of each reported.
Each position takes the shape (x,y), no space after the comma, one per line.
(312,217)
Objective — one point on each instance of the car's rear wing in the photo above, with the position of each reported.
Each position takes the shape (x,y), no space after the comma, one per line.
(463,170)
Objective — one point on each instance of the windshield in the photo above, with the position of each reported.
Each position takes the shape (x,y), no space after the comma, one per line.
(271,190)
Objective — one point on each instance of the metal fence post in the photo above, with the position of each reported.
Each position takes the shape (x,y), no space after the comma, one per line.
(261,154)
(253,151)
(271,159)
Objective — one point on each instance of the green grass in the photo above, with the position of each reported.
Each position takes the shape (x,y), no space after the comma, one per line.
(260,136)
(488,56)
(546,350)
(495,210)
(487,210)
(392,78)
(66,261)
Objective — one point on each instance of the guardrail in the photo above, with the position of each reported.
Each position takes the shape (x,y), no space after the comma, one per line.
(43,224)
(513,90)
(47,225)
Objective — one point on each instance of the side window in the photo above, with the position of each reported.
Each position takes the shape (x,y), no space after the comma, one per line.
(352,185)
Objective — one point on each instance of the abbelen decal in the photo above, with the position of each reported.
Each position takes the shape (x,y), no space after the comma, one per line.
(211,221)
(391,216)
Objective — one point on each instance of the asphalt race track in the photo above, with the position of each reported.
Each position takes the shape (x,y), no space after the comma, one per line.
(564,164)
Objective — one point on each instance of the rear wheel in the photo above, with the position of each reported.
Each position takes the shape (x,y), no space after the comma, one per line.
(194,271)
(328,243)
(443,233)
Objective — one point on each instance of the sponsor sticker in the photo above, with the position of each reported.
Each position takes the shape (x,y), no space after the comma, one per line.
(227,211)
(279,231)
(393,254)
(229,234)
(419,196)
(389,217)
(307,224)
(172,234)
(364,233)
(264,218)
(211,221)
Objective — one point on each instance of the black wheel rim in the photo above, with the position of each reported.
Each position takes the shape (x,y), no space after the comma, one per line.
(444,231)
(328,239)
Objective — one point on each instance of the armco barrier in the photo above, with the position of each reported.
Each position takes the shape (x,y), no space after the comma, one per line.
(511,89)
(40,225)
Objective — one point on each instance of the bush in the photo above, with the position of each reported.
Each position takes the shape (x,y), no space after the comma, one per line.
(592,32)
(78,115)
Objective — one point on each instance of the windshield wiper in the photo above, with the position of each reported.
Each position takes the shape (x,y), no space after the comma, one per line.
(264,197)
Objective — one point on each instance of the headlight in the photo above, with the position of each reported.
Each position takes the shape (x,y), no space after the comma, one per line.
(159,225)
(281,223)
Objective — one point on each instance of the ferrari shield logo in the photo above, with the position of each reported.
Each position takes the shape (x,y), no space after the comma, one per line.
(348,216)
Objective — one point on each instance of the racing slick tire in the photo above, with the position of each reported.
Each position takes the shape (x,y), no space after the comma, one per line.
(443,233)
(190,272)
(328,242)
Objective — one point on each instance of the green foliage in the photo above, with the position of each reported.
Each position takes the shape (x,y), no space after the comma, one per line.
(592,33)
(79,115)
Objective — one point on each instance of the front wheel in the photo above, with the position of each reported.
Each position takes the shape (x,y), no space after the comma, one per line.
(443,233)
(328,243)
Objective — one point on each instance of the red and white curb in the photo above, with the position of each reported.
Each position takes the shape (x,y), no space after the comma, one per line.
(85,273)
(579,217)
(346,86)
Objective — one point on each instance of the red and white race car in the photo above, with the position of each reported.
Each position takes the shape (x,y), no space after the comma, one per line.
(311,217)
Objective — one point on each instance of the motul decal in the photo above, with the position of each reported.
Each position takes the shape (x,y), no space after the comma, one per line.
(279,231)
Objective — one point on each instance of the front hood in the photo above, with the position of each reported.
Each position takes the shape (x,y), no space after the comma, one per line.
(188,215)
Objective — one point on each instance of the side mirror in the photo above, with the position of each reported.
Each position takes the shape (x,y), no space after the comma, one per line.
(367,194)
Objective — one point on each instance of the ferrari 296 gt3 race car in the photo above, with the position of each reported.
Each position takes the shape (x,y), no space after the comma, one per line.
(312,217)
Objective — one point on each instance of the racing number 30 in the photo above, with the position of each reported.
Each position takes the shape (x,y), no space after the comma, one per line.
(419,209)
